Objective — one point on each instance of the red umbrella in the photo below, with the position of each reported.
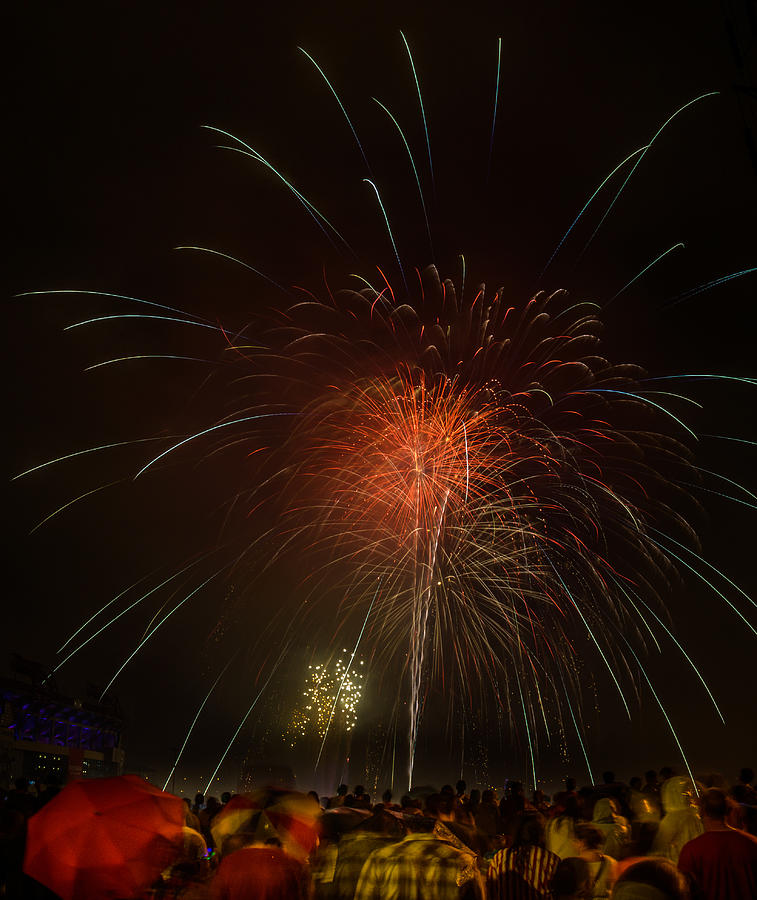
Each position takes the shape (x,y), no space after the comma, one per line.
(104,838)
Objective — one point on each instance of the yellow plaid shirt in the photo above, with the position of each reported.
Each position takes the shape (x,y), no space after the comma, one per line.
(420,867)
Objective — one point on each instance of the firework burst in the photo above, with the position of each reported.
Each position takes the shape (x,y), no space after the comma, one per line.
(459,469)
(506,484)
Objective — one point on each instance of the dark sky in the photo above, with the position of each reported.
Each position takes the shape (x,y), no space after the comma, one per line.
(110,170)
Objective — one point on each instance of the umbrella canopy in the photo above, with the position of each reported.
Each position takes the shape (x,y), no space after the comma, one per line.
(340,819)
(422,791)
(105,837)
(289,816)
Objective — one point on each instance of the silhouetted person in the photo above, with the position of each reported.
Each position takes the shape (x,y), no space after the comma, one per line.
(610,787)
(338,798)
(571,880)
(524,869)
(602,867)
(445,808)
(420,867)
(650,783)
(355,846)
(20,799)
(190,819)
(410,805)
(486,815)
(561,833)
(12,834)
(722,861)
(745,796)
(52,789)
(512,806)
(540,801)
(560,798)
(386,799)
(681,821)
(616,832)
(260,873)
(658,874)
(206,819)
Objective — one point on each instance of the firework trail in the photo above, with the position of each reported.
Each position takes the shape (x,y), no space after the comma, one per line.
(511,489)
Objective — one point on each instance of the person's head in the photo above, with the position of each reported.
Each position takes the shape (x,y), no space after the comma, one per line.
(666,772)
(651,776)
(608,777)
(341,791)
(387,796)
(713,805)
(654,872)
(359,790)
(225,797)
(572,879)
(475,797)
(460,787)
(487,796)
(440,806)
(410,803)
(746,776)
(570,784)
(740,792)
(432,804)
(199,799)
(588,836)
(420,824)
(236,841)
(212,806)
(571,808)
(635,783)
(445,810)
(447,790)
(530,831)
(515,789)
(678,793)
(383,822)
(605,810)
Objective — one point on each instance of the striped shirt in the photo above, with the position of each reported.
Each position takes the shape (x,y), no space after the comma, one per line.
(521,873)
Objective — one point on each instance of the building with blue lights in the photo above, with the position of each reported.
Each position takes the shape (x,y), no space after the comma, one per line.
(46,737)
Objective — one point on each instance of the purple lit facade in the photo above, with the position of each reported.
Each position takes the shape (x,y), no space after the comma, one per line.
(44,735)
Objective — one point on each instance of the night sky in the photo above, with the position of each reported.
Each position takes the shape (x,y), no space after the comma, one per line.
(111,169)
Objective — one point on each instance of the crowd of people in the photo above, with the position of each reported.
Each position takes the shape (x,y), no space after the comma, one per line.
(662,837)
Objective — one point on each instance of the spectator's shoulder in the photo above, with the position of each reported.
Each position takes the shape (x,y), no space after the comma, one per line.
(690,849)
(750,838)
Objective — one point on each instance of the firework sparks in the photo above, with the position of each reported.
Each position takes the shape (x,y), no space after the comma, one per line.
(331,691)
(522,502)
